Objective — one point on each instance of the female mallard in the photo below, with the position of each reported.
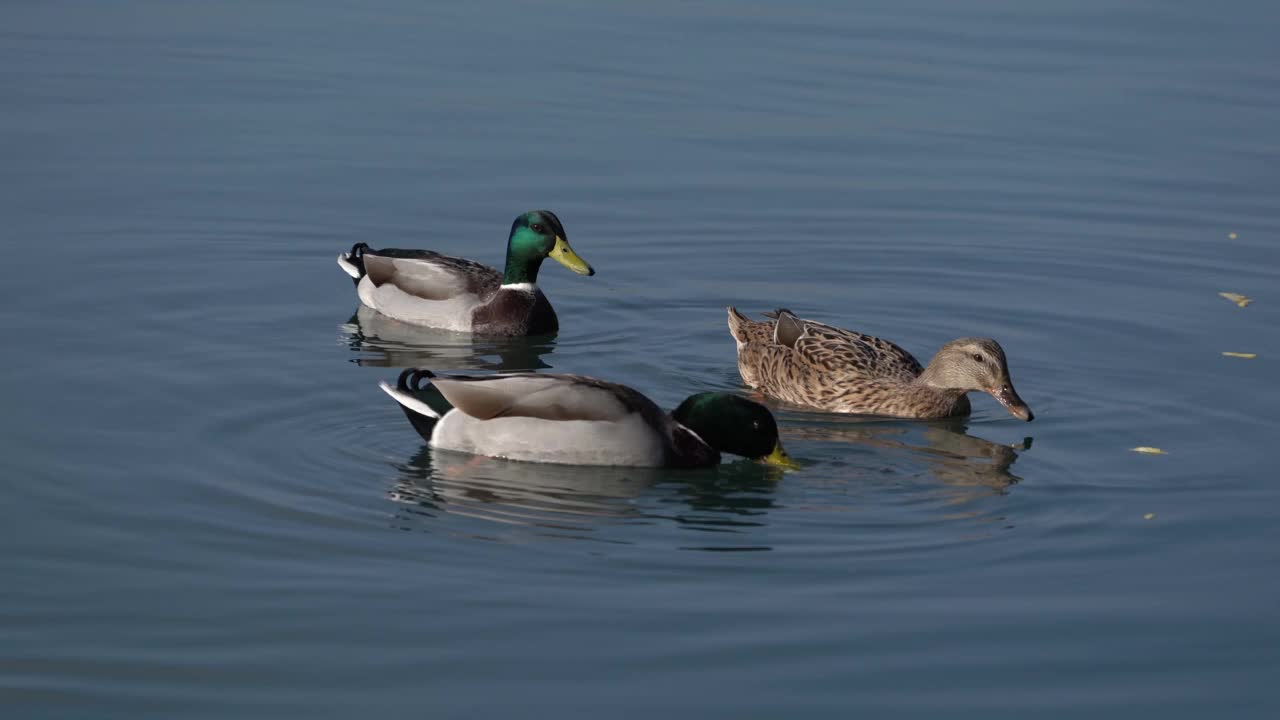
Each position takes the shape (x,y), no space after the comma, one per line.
(825,367)
(422,287)
(576,420)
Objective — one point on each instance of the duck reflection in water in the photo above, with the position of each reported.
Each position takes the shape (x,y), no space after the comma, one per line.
(949,453)
(575,499)
(384,342)
(580,501)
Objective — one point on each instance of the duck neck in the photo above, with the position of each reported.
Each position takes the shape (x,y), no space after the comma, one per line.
(937,401)
(936,383)
(520,268)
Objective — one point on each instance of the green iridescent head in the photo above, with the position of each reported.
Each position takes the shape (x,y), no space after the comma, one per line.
(733,424)
(537,235)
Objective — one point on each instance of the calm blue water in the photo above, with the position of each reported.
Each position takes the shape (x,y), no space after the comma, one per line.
(210,510)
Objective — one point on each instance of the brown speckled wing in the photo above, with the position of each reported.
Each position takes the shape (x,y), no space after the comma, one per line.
(836,349)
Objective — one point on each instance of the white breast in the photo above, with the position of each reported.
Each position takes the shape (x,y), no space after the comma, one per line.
(629,441)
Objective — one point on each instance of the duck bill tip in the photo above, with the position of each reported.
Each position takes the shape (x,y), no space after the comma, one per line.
(1008,397)
(779,458)
(565,255)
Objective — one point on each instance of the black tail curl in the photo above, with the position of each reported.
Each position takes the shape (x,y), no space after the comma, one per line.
(356,258)
(410,381)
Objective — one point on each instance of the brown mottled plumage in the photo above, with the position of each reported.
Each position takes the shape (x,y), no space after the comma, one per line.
(829,368)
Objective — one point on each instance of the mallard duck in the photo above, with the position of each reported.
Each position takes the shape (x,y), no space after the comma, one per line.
(577,420)
(829,368)
(422,287)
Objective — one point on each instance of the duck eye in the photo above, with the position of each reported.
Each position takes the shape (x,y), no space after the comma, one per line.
(538,228)
(977,357)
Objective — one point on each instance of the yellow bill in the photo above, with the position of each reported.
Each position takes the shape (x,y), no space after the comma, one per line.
(1146,450)
(780,458)
(565,255)
(1246,356)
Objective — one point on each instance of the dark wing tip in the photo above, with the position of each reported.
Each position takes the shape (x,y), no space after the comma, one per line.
(788,329)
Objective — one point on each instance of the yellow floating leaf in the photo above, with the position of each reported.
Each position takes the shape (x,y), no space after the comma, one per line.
(1148,516)
(1236,298)
(1246,356)
(1232,236)
(1149,450)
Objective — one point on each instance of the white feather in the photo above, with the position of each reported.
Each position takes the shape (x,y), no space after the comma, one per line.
(408,400)
(345,263)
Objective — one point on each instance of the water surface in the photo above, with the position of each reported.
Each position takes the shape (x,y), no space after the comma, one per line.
(211,510)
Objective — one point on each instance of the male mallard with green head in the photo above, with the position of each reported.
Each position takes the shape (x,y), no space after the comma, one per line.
(829,368)
(426,288)
(577,420)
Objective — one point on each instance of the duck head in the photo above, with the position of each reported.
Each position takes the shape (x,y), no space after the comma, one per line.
(535,236)
(735,425)
(976,364)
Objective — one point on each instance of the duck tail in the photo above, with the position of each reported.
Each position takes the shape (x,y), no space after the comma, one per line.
(352,263)
(412,396)
(738,324)
(744,329)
